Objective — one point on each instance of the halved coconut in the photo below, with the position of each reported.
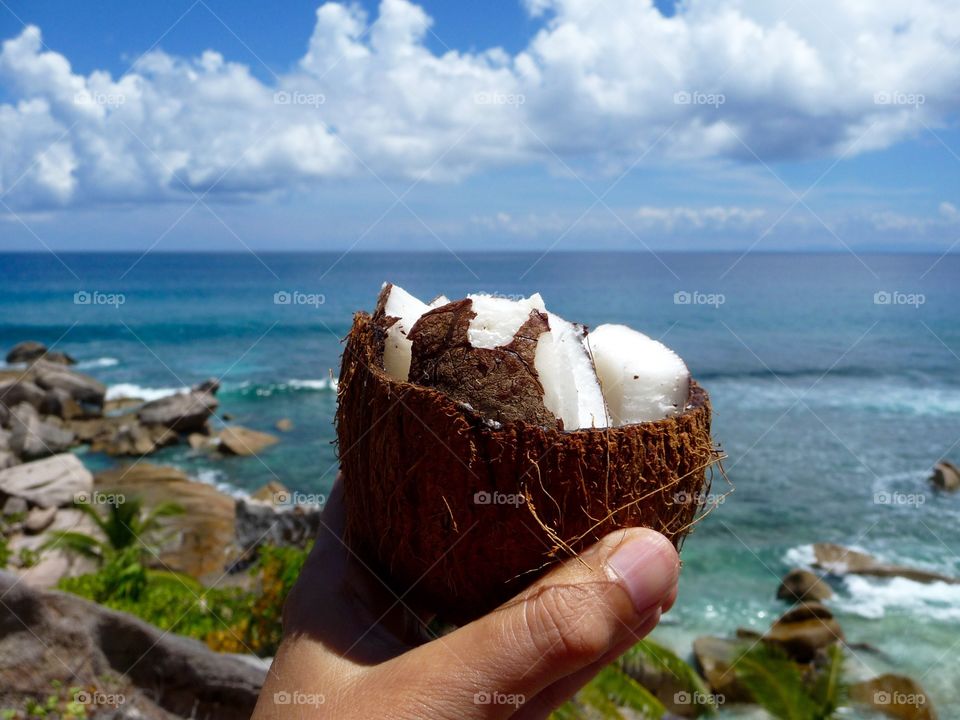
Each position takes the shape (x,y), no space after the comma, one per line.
(463,486)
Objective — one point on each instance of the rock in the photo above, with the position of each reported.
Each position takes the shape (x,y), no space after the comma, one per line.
(896,696)
(82,388)
(160,674)
(211,385)
(8,459)
(60,358)
(129,438)
(716,658)
(839,560)
(226,417)
(14,392)
(799,585)
(199,441)
(60,403)
(39,519)
(185,412)
(4,415)
(274,493)
(119,404)
(244,441)
(946,476)
(284,425)
(51,482)
(14,506)
(31,437)
(54,562)
(258,523)
(804,630)
(26,351)
(4,439)
(203,541)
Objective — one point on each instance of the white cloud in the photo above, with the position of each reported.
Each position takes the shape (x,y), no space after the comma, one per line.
(598,85)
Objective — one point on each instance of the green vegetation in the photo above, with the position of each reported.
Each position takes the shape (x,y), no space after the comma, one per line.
(60,704)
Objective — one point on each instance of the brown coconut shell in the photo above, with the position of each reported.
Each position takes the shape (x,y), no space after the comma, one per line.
(459,513)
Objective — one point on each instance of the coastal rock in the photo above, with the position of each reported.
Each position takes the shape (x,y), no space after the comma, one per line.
(14,506)
(39,519)
(53,562)
(31,437)
(60,403)
(804,630)
(274,493)
(8,459)
(258,523)
(284,425)
(14,392)
(799,585)
(120,404)
(946,476)
(716,658)
(60,358)
(210,385)
(184,412)
(839,560)
(199,441)
(244,441)
(4,415)
(131,438)
(161,675)
(50,482)
(896,696)
(26,351)
(82,388)
(202,539)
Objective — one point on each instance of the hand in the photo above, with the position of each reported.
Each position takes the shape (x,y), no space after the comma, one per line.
(352,649)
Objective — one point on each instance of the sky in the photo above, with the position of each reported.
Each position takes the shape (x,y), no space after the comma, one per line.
(531,124)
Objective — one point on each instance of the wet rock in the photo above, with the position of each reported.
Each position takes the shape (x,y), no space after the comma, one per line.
(839,560)
(31,437)
(184,413)
(716,658)
(161,675)
(26,352)
(210,385)
(244,441)
(805,630)
(946,476)
(896,696)
(51,482)
(799,585)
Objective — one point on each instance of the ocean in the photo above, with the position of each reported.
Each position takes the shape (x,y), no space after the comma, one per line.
(835,382)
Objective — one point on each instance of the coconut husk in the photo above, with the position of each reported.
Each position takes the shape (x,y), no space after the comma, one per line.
(459,513)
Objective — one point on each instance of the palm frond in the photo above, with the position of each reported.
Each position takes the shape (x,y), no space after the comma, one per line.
(775,682)
(649,654)
(612,689)
(829,691)
(75,542)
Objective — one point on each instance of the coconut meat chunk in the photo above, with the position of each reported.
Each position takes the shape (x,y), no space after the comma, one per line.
(642,379)
(498,318)
(408,309)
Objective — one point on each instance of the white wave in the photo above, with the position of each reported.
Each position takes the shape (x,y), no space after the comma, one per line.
(215,478)
(103,362)
(873,598)
(327,383)
(317,385)
(800,556)
(130,390)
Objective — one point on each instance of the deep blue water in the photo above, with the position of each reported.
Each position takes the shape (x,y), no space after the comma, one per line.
(825,400)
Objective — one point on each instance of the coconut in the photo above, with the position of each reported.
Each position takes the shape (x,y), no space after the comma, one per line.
(490,460)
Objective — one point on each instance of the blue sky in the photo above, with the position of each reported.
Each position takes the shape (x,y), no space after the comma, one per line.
(546,124)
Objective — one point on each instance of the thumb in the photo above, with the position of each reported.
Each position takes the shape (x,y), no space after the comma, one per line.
(567,621)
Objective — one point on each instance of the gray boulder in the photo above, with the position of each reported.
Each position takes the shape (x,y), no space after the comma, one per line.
(184,412)
(31,437)
(160,675)
(26,352)
(799,585)
(21,390)
(840,560)
(258,523)
(82,388)
(52,482)
(946,476)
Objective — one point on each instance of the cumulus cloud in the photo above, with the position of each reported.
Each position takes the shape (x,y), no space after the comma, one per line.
(597,86)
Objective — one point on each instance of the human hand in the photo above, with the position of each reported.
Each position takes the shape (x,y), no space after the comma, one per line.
(353,649)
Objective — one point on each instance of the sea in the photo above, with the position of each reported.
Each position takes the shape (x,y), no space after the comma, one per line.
(835,381)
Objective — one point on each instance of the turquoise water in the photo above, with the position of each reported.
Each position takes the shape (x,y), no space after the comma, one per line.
(824,399)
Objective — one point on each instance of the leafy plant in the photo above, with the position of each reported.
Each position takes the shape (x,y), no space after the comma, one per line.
(648,655)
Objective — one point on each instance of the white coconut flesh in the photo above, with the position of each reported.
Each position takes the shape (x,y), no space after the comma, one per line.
(612,376)
(642,379)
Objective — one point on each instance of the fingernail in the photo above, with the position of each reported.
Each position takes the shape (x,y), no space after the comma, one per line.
(647,566)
